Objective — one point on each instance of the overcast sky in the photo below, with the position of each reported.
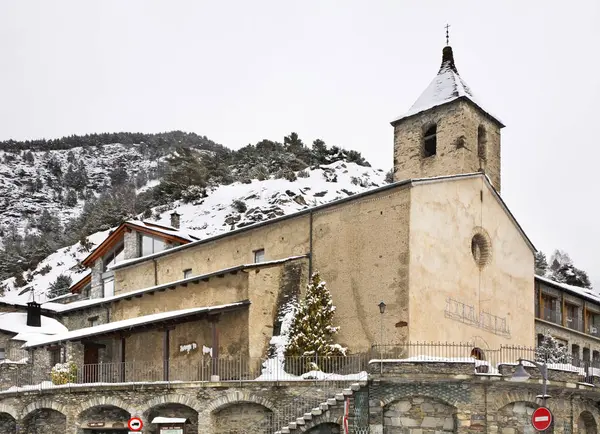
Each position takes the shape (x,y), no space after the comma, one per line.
(242,71)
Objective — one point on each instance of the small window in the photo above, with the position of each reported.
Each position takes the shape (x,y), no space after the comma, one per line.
(187,273)
(56,356)
(2,354)
(430,141)
(259,255)
(481,143)
(109,286)
(93,321)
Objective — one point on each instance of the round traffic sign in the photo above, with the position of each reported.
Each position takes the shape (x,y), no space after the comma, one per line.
(541,419)
(135,424)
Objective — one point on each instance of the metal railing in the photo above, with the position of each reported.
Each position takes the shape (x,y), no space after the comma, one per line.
(241,369)
(552,316)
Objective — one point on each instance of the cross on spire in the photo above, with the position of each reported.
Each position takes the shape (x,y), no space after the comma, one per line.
(447,34)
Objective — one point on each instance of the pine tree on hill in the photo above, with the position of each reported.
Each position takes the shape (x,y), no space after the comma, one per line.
(541,263)
(312,330)
(551,352)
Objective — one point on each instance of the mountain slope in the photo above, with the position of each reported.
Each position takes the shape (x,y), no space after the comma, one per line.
(225,207)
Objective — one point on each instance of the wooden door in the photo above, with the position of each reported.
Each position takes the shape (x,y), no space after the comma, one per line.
(90,364)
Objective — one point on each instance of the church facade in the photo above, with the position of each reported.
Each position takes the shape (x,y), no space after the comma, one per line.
(438,246)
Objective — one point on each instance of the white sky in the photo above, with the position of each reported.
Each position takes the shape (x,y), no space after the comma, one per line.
(240,71)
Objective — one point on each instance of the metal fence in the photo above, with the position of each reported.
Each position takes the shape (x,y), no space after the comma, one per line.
(241,369)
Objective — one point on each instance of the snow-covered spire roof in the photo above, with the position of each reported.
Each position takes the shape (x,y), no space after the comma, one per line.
(446,86)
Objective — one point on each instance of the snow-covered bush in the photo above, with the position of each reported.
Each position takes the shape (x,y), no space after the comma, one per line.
(63,373)
(551,352)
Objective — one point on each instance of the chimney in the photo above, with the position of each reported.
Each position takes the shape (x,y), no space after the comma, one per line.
(175,219)
(34,314)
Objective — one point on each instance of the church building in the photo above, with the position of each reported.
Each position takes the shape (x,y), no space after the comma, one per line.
(438,246)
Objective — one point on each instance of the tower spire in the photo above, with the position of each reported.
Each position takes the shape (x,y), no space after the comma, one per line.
(447,35)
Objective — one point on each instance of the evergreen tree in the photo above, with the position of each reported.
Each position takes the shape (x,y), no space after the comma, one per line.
(312,330)
(60,286)
(551,352)
(541,264)
(571,275)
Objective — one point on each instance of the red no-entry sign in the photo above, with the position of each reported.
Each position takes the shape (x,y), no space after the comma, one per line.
(541,419)
(135,424)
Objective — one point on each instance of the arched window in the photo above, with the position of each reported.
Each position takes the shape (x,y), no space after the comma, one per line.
(477,354)
(481,143)
(430,141)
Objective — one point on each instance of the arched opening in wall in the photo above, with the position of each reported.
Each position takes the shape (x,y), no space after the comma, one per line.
(515,416)
(429,415)
(430,141)
(8,424)
(172,410)
(106,416)
(482,143)
(44,420)
(325,428)
(586,424)
(243,418)
(481,247)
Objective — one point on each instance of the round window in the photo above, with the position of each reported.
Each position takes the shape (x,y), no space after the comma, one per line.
(481,248)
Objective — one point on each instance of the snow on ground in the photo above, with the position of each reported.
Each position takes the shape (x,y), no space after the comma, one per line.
(215,215)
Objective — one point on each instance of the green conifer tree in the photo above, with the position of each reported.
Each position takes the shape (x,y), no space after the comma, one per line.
(312,330)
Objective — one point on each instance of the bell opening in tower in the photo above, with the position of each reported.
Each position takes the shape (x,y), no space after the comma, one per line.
(430,141)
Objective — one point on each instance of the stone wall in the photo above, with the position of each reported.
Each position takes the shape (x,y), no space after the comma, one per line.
(78,319)
(457,136)
(415,402)
(572,337)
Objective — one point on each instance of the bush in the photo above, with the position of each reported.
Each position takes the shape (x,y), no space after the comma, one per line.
(239,206)
(63,373)
(303,174)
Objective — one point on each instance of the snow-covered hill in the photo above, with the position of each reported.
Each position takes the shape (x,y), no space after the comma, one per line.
(226,207)
(31,182)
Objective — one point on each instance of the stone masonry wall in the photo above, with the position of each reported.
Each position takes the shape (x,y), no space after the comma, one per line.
(457,136)
(412,403)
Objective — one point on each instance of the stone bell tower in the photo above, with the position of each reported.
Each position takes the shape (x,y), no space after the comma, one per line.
(447,131)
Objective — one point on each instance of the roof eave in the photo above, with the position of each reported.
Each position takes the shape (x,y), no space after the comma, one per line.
(403,118)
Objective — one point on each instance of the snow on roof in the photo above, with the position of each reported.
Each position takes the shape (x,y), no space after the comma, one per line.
(161,419)
(63,308)
(167,230)
(16,322)
(584,292)
(446,86)
(131,323)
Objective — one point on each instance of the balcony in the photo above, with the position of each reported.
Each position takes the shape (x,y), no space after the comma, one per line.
(552,316)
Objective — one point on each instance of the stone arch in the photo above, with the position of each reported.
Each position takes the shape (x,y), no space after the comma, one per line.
(112,414)
(517,395)
(515,417)
(104,401)
(9,410)
(242,417)
(41,417)
(325,428)
(173,399)
(586,423)
(231,398)
(333,416)
(43,404)
(180,406)
(8,423)
(426,414)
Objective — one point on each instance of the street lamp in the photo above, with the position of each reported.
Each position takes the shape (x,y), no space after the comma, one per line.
(381,311)
(521,375)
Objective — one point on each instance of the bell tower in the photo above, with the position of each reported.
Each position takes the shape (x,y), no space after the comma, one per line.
(447,131)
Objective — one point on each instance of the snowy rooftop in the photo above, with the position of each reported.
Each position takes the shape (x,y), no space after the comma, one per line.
(63,308)
(16,322)
(132,323)
(446,87)
(167,230)
(583,292)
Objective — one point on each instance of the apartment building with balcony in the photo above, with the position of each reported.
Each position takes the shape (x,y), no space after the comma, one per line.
(571,315)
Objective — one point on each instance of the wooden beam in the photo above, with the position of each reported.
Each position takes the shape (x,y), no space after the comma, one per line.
(563,313)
